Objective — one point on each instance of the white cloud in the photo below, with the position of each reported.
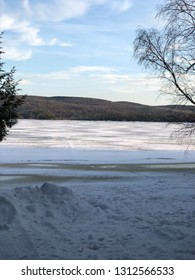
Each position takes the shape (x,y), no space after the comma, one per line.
(122,86)
(124,83)
(14,54)
(25,82)
(67,74)
(58,10)
(58,75)
(27,8)
(121,5)
(25,23)
(24,35)
(112,78)
(90,69)
(7,22)
(60,43)
(29,34)
(66,44)
(16,46)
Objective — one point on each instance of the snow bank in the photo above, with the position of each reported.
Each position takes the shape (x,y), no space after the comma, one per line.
(34,220)
(148,217)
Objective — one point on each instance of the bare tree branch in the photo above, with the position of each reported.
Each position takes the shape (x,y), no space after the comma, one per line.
(170,52)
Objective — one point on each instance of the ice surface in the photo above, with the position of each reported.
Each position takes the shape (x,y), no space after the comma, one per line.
(98,142)
(93,135)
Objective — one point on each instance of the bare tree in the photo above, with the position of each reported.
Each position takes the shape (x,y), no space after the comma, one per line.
(9,101)
(170,52)
(179,14)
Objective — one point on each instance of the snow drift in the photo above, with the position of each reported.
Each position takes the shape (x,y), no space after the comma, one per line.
(134,220)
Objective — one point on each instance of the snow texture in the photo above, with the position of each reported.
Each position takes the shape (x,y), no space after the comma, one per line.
(151,216)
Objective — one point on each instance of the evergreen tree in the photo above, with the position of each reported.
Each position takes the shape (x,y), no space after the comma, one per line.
(9,101)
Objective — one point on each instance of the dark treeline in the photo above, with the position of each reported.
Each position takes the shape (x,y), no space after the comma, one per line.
(80,108)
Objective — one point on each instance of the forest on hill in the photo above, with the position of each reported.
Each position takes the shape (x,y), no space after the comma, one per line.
(81,108)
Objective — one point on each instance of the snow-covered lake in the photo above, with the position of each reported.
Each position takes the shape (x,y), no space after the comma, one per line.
(94,135)
(123,142)
(96,190)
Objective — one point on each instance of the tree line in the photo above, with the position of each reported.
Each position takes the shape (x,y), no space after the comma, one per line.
(77,108)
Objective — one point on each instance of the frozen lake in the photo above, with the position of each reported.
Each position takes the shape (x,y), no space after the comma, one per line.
(93,135)
(92,141)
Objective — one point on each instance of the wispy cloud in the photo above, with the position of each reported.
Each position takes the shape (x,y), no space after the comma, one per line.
(121,5)
(26,6)
(105,75)
(58,75)
(128,83)
(58,10)
(67,74)
(28,33)
(24,36)
(104,80)
(66,44)
(7,22)
(15,54)
(113,78)
(29,16)
(91,69)
(25,82)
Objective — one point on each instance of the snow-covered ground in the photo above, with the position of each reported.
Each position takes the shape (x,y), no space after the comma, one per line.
(96,190)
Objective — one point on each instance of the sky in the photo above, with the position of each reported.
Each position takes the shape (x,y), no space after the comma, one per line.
(79,48)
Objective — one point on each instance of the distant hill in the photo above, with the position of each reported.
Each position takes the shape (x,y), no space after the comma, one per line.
(81,108)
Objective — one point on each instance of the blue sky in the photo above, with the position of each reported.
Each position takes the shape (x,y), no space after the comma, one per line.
(79,47)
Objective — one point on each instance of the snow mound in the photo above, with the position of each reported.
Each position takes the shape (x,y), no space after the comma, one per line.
(7,212)
(39,221)
(51,196)
(54,190)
